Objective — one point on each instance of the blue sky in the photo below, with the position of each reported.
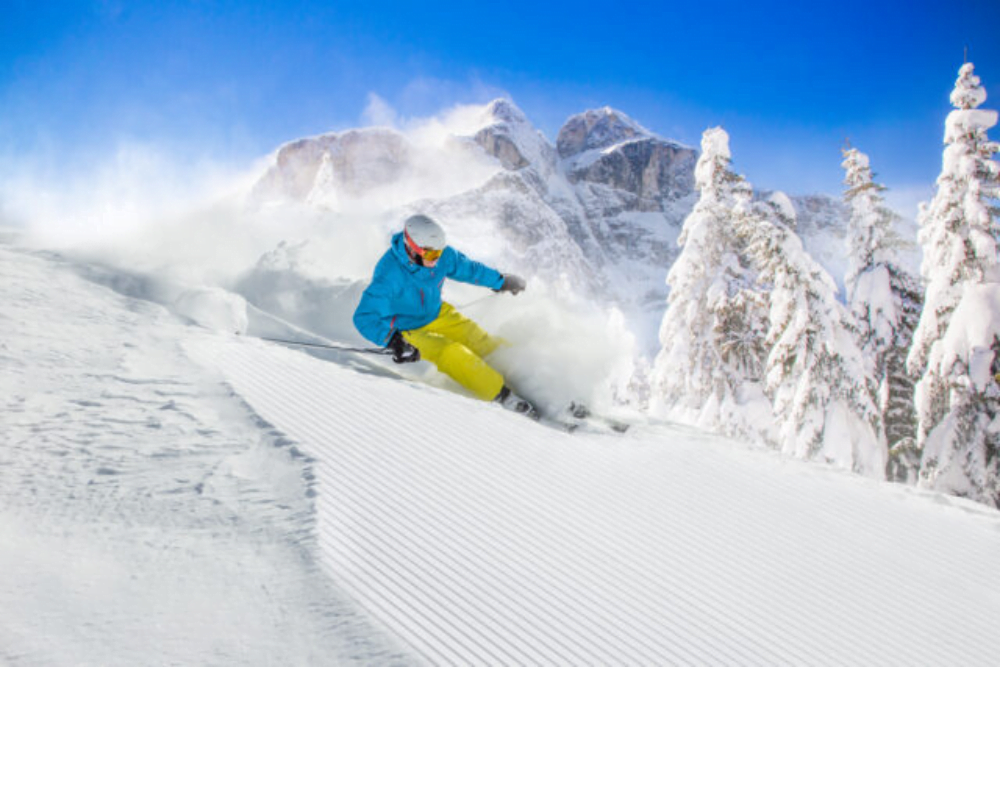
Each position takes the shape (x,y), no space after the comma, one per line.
(232,80)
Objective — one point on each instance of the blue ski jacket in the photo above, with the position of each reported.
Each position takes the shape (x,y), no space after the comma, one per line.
(403,295)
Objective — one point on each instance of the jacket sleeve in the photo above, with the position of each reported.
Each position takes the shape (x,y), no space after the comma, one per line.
(374,317)
(468,271)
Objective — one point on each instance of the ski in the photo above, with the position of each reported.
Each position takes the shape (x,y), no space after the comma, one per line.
(578,417)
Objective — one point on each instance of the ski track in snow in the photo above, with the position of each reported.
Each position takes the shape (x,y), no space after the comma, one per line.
(480,538)
(148,516)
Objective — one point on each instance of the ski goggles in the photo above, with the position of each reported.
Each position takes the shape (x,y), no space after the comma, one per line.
(427,254)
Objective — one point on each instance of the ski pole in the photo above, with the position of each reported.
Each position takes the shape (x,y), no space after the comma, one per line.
(296,329)
(344,349)
(475,302)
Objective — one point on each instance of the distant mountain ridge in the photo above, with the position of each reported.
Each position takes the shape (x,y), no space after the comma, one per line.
(600,208)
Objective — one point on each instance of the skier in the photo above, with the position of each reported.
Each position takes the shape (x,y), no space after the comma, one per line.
(402,309)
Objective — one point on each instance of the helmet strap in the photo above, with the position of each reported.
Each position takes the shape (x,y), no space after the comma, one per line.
(412,250)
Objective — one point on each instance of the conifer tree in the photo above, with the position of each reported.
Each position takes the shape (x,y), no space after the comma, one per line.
(815,373)
(955,346)
(885,301)
(709,369)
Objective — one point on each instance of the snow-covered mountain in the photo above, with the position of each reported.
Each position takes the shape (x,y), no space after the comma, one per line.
(598,211)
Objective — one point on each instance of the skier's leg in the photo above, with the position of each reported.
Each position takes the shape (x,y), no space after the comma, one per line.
(457,361)
(462,329)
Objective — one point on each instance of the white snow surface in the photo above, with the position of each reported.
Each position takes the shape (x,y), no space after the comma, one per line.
(147,515)
(972,330)
(177,495)
(213,308)
(961,120)
(783,205)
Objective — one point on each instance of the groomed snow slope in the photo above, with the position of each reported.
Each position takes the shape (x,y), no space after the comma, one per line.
(169,495)
(481,538)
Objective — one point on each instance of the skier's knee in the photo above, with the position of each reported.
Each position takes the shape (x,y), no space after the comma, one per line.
(464,366)
(455,358)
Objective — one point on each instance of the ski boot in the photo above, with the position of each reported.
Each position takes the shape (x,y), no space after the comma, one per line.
(513,402)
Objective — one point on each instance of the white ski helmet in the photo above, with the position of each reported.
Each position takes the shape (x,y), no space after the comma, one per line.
(425,233)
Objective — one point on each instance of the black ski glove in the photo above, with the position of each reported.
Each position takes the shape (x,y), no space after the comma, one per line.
(402,350)
(512,284)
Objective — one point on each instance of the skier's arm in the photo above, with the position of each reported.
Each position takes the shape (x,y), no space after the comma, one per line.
(464,269)
(374,317)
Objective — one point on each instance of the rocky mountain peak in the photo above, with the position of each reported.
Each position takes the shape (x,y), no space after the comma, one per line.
(355,160)
(512,139)
(502,110)
(596,129)
(607,148)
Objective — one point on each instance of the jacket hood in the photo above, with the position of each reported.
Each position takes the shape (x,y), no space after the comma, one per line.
(399,251)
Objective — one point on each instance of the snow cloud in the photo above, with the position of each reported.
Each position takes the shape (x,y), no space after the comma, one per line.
(90,202)
(378,113)
(428,130)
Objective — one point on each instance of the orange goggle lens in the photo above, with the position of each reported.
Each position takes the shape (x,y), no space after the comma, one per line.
(425,253)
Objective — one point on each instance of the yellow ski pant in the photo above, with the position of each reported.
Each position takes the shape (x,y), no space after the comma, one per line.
(457,346)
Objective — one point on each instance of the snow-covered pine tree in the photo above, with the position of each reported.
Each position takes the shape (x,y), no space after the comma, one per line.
(815,372)
(955,345)
(885,301)
(709,369)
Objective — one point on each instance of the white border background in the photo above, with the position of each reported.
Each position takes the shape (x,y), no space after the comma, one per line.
(512,734)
